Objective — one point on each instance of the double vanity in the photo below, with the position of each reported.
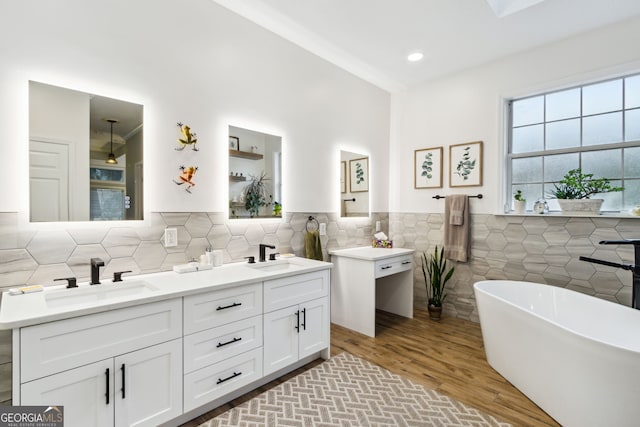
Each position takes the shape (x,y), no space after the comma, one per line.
(164,348)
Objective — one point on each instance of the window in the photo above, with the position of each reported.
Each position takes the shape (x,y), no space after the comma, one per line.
(594,127)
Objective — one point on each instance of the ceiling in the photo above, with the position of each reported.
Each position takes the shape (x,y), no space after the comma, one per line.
(371,38)
(128,118)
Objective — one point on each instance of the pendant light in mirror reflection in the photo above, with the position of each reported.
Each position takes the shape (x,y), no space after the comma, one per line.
(111,158)
(354,184)
(85,156)
(255,174)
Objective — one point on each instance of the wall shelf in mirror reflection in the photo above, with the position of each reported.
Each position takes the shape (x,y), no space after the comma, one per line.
(85,156)
(354,197)
(255,177)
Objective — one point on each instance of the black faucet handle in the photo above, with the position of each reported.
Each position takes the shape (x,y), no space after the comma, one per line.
(252,259)
(71,282)
(621,242)
(272,256)
(117,275)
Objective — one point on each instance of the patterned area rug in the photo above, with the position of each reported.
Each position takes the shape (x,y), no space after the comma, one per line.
(348,391)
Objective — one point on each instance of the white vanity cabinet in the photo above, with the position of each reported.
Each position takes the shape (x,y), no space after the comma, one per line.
(169,358)
(296,319)
(367,279)
(121,367)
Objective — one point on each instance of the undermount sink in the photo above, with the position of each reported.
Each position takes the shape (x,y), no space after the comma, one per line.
(96,293)
(278,265)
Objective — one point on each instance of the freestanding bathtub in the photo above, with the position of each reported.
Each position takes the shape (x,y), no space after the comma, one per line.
(576,356)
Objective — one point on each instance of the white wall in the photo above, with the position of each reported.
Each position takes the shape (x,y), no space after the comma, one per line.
(468,106)
(195,62)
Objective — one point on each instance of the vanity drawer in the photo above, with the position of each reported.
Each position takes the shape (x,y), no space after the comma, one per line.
(288,291)
(211,309)
(214,345)
(65,344)
(386,267)
(212,382)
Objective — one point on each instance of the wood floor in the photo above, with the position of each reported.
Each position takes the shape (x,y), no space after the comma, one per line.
(446,356)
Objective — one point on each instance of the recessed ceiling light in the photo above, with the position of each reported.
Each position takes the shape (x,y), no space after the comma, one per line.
(415,56)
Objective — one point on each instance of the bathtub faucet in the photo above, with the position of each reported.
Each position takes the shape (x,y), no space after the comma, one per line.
(634,268)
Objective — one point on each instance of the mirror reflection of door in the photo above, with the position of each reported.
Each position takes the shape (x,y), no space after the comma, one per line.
(72,135)
(255,174)
(49,181)
(354,184)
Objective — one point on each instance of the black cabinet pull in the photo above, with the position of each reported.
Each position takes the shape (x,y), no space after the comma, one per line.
(123,376)
(222,344)
(297,328)
(122,369)
(106,374)
(385,267)
(235,374)
(235,304)
(304,319)
(406,262)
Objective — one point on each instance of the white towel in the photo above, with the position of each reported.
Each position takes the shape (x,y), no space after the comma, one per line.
(456,227)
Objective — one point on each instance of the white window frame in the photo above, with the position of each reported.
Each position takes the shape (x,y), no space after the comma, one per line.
(509,155)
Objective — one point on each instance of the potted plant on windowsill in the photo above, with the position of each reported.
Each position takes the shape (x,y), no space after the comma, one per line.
(519,203)
(436,276)
(575,189)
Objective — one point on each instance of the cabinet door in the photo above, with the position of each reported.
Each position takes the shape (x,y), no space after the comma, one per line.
(314,326)
(86,394)
(148,385)
(280,339)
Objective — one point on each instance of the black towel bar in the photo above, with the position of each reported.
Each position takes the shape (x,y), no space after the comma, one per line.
(438,197)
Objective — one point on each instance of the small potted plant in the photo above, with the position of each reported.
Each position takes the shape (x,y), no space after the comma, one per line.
(575,189)
(436,276)
(277,209)
(255,194)
(519,203)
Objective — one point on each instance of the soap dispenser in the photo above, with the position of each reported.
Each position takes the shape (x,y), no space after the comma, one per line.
(209,255)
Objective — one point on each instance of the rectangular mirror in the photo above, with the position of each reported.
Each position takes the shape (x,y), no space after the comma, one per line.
(255,174)
(354,184)
(85,156)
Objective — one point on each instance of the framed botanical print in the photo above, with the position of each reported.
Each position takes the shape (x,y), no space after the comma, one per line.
(427,168)
(359,175)
(343,177)
(465,164)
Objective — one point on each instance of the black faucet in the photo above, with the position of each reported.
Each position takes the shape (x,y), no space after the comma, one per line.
(96,263)
(635,269)
(263,255)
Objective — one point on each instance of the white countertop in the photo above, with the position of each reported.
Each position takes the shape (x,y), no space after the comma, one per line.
(38,307)
(371,254)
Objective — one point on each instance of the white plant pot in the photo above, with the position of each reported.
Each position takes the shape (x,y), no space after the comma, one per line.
(519,207)
(580,207)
